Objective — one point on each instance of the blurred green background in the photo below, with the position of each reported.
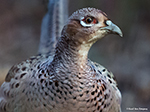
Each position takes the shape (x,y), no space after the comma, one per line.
(128,57)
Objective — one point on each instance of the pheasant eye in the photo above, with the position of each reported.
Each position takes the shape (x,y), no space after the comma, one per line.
(89,20)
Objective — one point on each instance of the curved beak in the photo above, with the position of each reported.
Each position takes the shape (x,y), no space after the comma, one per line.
(112,28)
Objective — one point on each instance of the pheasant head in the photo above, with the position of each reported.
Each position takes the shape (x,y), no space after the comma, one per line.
(85,27)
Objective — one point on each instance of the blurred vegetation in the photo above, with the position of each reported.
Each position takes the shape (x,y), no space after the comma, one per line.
(128,57)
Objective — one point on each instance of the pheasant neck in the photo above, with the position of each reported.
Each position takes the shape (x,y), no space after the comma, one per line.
(71,53)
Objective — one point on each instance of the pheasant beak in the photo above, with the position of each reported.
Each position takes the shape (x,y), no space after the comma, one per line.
(112,28)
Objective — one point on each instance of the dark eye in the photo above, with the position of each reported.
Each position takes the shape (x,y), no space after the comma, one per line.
(89,20)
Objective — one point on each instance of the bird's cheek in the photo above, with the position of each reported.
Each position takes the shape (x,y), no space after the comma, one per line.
(97,35)
(102,33)
(81,38)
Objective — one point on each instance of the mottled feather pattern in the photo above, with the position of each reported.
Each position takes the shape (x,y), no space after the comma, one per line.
(66,81)
(50,87)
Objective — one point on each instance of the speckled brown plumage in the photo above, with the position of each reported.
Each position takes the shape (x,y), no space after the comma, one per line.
(66,81)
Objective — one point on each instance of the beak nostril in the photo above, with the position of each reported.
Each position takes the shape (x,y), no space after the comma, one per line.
(108,22)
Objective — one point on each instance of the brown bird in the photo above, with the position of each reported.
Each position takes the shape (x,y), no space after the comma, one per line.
(66,81)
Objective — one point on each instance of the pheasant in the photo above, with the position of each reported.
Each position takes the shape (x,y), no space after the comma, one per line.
(66,81)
